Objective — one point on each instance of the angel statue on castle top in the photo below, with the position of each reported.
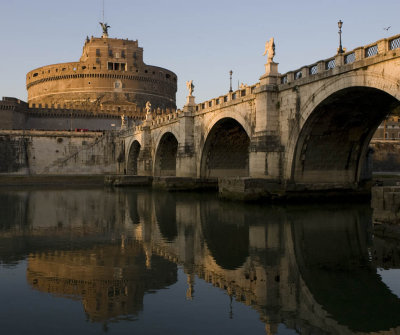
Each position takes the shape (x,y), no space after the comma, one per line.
(105,27)
(270,49)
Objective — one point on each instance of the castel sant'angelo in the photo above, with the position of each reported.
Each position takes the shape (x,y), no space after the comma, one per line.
(109,83)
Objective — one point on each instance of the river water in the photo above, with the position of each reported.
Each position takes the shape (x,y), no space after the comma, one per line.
(125,261)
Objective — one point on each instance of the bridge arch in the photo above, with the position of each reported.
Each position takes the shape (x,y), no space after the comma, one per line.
(225,151)
(132,161)
(335,126)
(165,157)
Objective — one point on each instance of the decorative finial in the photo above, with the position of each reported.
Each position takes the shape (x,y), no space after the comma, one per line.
(190,87)
(105,27)
(270,49)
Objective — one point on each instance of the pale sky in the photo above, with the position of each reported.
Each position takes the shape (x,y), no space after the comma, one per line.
(198,40)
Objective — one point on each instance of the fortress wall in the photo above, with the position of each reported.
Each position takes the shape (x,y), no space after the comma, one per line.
(12,119)
(52,152)
(67,123)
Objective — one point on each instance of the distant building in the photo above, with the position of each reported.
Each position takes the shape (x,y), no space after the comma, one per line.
(389,129)
(109,81)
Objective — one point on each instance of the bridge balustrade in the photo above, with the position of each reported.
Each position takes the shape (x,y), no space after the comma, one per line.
(330,64)
(394,43)
(371,50)
(313,69)
(298,75)
(350,57)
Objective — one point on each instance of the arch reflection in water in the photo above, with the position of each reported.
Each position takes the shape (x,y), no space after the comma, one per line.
(290,264)
(307,268)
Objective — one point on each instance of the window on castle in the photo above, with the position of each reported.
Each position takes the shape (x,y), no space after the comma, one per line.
(97,52)
(116,66)
(123,54)
(110,53)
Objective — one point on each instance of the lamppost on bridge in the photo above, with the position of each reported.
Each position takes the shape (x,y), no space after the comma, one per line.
(230,77)
(340,24)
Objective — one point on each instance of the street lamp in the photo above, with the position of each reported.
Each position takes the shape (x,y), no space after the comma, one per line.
(230,76)
(340,24)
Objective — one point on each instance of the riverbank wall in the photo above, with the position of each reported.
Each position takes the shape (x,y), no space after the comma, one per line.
(59,153)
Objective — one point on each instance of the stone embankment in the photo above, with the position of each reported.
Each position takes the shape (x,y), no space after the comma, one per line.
(385,202)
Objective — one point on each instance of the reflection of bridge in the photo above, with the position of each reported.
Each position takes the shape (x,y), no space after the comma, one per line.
(274,266)
(307,129)
(263,257)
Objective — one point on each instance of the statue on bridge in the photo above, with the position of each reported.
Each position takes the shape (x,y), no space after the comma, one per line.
(270,49)
(190,87)
(124,120)
(148,107)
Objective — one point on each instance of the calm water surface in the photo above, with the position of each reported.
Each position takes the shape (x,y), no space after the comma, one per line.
(142,262)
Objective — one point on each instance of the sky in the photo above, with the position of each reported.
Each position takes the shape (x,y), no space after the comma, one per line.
(198,40)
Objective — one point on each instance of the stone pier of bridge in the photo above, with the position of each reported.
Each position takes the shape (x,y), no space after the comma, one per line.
(303,132)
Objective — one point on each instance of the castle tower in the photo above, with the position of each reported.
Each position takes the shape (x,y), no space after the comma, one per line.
(110,78)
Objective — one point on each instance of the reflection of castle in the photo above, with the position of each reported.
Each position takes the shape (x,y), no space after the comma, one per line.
(111,280)
(308,268)
(110,80)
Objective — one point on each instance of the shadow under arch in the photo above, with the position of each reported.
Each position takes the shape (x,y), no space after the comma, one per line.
(332,255)
(333,142)
(226,150)
(226,233)
(165,160)
(132,165)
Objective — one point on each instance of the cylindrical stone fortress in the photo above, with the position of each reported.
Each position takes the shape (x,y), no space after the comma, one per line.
(110,78)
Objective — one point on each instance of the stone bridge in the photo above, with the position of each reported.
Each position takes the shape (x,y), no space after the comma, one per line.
(304,130)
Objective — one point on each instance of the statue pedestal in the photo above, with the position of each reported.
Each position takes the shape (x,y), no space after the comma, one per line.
(190,104)
(271,74)
(190,101)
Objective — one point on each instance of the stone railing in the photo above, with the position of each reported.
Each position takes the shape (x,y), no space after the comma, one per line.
(371,50)
(163,119)
(221,101)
